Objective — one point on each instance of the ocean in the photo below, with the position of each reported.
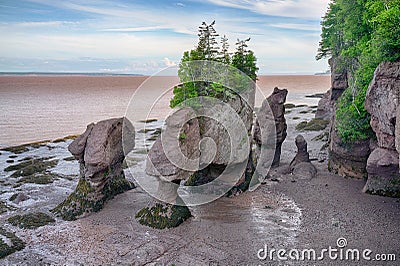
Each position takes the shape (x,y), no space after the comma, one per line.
(46,107)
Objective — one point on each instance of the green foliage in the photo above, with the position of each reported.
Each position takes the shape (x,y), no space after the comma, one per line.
(208,49)
(352,120)
(361,34)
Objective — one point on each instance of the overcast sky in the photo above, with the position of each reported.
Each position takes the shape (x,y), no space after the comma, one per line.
(146,36)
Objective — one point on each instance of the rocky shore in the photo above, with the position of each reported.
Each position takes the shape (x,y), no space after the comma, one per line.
(286,211)
(95,207)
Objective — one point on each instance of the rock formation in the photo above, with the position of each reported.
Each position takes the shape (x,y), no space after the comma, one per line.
(348,160)
(198,145)
(301,165)
(382,103)
(325,107)
(339,78)
(164,158)
(339,82)
(274,103)
(100,153)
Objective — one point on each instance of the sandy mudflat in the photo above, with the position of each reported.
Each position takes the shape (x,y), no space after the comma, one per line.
(284,214)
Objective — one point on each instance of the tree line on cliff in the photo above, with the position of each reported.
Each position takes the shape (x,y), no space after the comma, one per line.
(359,34)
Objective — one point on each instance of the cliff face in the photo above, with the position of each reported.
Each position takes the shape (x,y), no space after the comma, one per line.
(382,102)
(344,159)
(339,82)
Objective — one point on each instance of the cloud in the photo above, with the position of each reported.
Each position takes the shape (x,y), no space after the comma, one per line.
(136,29)
(168,62)
(282,8)
(295,26)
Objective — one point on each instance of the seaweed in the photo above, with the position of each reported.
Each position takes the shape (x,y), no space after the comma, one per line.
(313,125)
(163,216)
(16,243)
(85,199)
(31,220)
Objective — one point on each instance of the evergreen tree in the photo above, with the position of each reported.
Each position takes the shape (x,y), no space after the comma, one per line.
(224,55)
(206,50)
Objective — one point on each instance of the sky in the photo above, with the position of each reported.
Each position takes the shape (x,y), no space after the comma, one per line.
(146,36)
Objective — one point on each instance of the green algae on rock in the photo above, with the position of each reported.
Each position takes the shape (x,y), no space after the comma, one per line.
(315,124)
(85,199)
(31,167)
(31,220)
(25,147)
(162,216)
(4,207)
(101,155)
(65,138)
(40,179)
(16,243)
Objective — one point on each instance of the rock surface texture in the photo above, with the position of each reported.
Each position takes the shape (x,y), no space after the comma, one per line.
(382,103)
(100,153)
(339,82)
(348,160)
(273,105)
(301,165)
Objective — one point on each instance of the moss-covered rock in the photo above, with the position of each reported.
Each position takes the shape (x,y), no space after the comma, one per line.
(290,106)
(69,159)
(65,138)
(314,125)
(31,220)
(3,207)
(31,167)
(40,179)
(25,147)
(16,243)
(85,199)
(162,216)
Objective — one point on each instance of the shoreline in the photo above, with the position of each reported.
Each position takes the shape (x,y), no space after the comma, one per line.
(281,213)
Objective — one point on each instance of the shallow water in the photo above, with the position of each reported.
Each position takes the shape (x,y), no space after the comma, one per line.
(34,108)
(228,231)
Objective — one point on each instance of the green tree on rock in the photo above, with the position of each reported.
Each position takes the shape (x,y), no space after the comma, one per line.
(208,49)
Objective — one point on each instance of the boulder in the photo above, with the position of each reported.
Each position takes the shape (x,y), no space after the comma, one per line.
(100,153)
(304,170)
(383,173)
(301,165)
(348,160)
(272,109)
(325,107)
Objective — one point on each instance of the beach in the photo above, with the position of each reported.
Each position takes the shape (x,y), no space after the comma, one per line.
(285,212)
